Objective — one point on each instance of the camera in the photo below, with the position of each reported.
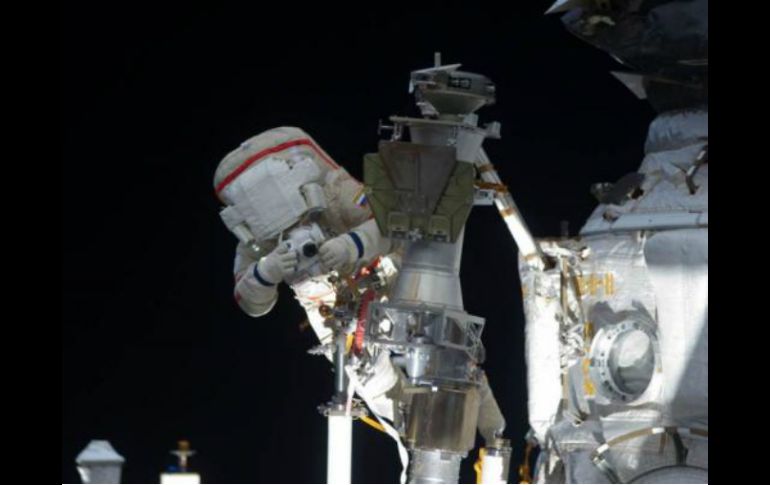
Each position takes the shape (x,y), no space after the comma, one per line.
(306,241)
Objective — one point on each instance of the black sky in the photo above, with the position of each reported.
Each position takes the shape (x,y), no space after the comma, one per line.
(154,348)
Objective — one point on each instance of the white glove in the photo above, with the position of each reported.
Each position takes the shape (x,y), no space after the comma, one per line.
(338,252)
(277,266)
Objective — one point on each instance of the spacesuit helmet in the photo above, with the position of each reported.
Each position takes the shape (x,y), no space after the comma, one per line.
(272,182)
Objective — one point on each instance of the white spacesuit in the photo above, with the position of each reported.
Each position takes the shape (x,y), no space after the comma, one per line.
(298,215)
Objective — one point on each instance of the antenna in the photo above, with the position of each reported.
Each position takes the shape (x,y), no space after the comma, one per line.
(183,453)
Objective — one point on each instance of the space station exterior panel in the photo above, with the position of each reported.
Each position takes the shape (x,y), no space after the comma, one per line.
(617,327)
(670,197)
(677,129)
(419,189)
(541,349)
(678,267)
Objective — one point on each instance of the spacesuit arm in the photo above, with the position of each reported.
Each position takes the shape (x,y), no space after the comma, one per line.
(350,203)
(369,241)
(256,298)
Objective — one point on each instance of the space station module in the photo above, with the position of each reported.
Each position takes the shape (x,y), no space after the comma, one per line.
(617,322)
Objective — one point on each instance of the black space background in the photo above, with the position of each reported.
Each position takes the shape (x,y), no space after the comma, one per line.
(154,348)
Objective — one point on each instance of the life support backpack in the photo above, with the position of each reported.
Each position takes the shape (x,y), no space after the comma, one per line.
(271,182)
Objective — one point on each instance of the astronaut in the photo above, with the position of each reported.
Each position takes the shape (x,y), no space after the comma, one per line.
(298,216)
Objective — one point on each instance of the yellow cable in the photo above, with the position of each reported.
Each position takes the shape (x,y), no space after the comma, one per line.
(477,465)
(524,473)
(373,423)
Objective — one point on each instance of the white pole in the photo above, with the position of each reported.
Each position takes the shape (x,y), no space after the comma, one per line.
(510,213)
(339,448)
(492,468)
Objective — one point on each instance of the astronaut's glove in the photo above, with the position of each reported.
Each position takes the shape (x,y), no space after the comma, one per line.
(339,253)
(276,266)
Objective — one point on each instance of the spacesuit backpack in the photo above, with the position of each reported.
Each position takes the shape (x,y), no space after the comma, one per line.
(272,186)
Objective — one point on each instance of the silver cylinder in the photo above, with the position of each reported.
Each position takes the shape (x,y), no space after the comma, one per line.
(340,387)
(430,274)
(434,466)
(467,140)
(495,467)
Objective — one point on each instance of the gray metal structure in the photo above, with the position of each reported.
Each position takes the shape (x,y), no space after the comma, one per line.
(444,397)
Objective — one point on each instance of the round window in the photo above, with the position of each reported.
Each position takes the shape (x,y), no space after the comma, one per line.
(623,359)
